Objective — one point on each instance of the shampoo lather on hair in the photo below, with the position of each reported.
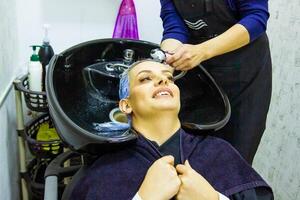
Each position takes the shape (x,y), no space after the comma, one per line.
(35,70)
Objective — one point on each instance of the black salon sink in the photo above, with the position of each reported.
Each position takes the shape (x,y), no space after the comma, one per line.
(82,90)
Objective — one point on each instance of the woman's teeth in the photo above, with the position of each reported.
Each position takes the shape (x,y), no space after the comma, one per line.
(163,94)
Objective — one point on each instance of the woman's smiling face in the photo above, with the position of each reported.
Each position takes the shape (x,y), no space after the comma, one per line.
(152,89)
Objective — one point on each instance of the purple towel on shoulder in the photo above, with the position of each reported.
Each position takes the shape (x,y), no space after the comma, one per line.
(118,175)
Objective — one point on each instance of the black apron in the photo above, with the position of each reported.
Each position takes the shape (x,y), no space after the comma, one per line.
(245,74)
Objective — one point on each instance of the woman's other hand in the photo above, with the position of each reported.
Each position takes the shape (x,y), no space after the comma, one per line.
(161,181)
(193,185)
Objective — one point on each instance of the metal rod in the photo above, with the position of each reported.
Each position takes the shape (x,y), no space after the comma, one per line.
(21,143)
(67,164)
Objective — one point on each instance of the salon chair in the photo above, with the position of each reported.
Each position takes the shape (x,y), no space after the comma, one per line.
(82,91)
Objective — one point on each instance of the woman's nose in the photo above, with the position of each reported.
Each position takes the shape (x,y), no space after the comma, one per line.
(162,81)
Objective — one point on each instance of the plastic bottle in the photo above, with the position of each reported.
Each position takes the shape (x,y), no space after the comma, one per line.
(35,71)
(45,54)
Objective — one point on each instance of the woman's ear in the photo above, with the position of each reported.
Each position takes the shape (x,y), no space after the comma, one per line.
(124,106)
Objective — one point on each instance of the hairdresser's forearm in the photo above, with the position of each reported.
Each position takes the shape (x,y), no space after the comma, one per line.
(234,38)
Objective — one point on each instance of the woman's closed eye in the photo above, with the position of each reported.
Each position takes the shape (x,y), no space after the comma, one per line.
(144,79)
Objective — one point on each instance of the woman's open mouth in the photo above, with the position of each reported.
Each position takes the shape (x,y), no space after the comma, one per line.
(162,92)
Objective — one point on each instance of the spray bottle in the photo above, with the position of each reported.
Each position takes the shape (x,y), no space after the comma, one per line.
(35,71)
(45,54)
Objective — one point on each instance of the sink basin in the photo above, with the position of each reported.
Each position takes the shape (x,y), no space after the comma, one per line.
(82,91)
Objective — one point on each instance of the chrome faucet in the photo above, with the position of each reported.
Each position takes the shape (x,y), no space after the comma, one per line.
(128,55)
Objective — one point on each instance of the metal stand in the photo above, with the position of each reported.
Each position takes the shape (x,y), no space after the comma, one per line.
(21,143)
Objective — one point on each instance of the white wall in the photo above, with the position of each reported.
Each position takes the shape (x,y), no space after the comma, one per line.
(278,157)
(9,181)
(8,67)
(8,43)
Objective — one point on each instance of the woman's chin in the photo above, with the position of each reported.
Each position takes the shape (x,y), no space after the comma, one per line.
(166,106)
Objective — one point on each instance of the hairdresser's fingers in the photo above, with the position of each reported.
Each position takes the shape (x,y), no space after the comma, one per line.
(176,56)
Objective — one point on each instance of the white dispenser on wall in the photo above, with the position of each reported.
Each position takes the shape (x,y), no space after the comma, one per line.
(35,71)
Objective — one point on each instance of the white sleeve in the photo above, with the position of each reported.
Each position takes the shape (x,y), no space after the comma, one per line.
(137,197)
(221,197)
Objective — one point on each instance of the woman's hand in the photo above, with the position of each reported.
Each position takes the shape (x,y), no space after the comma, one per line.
(161,181)
(187,56)
(193,185)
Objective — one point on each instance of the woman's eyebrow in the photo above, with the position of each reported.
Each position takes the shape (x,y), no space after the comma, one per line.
(167,71)
(150,71)
(144,71)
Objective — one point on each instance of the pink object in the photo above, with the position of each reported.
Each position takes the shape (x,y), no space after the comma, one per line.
(126,23)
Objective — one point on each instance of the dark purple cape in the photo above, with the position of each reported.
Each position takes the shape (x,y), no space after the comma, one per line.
(118,175)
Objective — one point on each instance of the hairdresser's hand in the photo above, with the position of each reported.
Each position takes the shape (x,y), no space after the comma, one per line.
(193,185)
(187,56)
(161,181)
